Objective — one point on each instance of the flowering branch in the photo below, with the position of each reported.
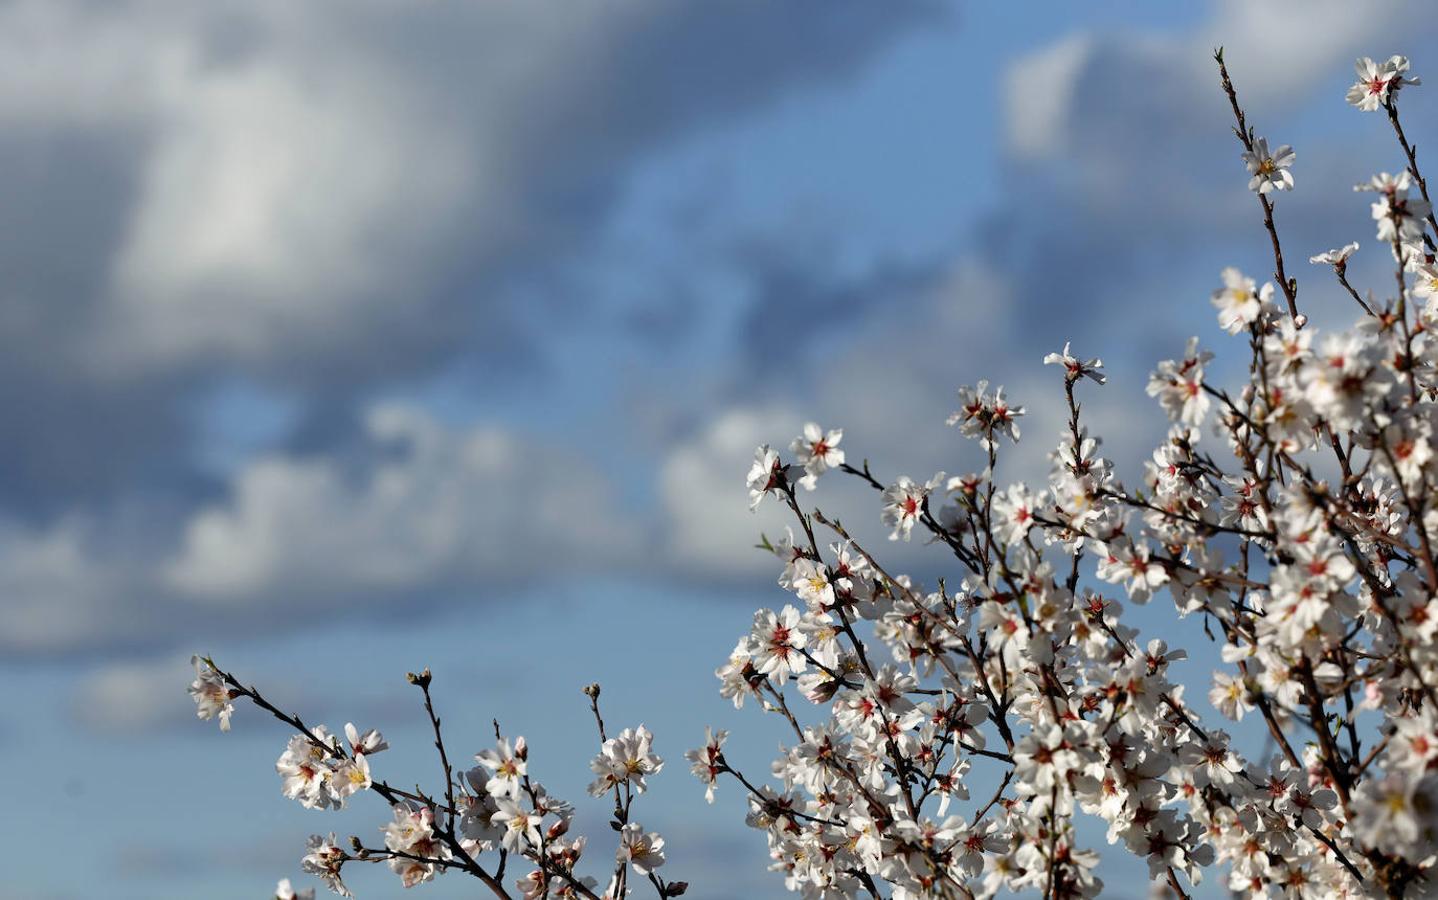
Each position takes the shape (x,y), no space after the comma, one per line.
(496,806)
(1019,668)
(1269,173)
(1324,600)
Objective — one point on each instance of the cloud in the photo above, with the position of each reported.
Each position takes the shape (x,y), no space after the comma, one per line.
(1122,197)
(1126,192)
(434,507)
(1042,85)
(1123,91)
(134,697)
(242,234)
(280,173)
(60,588)
(327,201)
(801,299)
(282,212)
(701,487)
(327,196)
(417,512)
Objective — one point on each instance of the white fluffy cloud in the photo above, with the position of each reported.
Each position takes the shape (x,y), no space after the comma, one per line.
(420,510)
(701,486)
(134,697)
(329,198)
(437,507)
(302,166)
(280,209)
(301,181)
(58,589)
(1042,85)
(1275,49)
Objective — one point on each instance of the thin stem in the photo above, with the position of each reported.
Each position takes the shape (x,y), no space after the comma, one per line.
(1245,137)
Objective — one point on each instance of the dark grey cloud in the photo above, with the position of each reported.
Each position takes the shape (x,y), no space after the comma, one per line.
(802,298)
(69,437)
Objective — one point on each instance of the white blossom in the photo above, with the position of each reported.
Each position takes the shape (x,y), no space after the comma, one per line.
(1269,170)
(1377,82)
(1239,301)
(644,852)
(817,451)
(212,697)
(324,860)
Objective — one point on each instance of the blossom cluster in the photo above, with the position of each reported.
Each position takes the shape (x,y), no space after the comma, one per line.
(1293,518)
(316,771)
(482,818)
(943,739)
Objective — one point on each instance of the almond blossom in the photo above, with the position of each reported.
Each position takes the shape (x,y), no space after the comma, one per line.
(765,475)
(1074,368)
(507,765)
(211,694)
(708,761)
(986,416)
(492,810)
(1290,514)
(817,451)
(1378,82)
(1337,258)
(943,734)
(645,852)
(778,643)
(1239,302)
(1269,170)
(904,504)
(324,860)
(625,760)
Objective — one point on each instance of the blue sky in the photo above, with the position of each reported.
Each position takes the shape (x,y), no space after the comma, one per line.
(341,339)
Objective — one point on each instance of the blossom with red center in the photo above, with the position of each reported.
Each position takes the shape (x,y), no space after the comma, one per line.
(904,504)
(708,760)
(767,474)
(778,641)
(1377,82)
(1075,368)
(817,451)
(985,417)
